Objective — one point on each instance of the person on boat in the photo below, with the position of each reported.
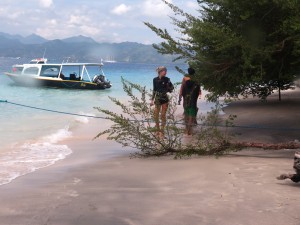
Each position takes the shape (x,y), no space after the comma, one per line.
(190,91)
(161,86)
(62,76)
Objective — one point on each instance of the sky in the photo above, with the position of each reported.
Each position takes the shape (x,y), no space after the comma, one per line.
(111,21)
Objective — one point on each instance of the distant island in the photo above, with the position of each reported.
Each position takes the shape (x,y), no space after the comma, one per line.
(79,48)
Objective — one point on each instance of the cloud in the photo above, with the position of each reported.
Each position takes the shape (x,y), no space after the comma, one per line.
(12,15)
(90,30)
(121,9)
(51,22)
(46,3)
(155,8)
(94,18)
(78,20)
(50,33)
(192,5)
(193,8)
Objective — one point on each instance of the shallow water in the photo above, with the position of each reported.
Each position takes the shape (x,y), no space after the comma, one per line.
(30,137)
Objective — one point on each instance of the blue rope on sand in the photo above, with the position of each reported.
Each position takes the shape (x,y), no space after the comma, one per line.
(106,118)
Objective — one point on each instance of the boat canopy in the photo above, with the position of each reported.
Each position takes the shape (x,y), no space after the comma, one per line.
(65,71)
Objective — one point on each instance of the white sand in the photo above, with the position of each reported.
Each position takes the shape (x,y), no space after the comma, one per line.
(91,187)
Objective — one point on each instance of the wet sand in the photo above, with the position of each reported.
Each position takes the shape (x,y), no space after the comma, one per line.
(100,184)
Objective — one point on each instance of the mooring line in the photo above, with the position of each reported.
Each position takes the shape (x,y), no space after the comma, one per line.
(147,121)
(54,111)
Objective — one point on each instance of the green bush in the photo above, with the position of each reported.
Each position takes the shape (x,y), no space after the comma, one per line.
(135,128)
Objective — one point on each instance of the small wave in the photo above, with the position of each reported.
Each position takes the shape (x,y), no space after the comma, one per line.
(82,119)
(32,156)
(60,135)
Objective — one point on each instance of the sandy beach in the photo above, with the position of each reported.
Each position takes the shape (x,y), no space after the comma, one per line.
(99,184)
(273,121)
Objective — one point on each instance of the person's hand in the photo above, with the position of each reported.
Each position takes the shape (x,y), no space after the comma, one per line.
(179,99)
(151,103)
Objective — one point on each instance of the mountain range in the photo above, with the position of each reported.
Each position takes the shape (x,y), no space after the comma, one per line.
(78,48)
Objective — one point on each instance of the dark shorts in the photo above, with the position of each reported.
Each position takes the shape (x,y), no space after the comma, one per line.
(190,111)
(161,99)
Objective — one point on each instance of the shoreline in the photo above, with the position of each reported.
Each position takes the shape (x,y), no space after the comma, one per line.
(100,184)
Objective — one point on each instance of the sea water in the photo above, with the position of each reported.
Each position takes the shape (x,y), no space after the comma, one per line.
(30,138)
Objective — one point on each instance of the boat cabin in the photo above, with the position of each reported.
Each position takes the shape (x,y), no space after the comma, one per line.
(39,61)
(65,71)
(64,75)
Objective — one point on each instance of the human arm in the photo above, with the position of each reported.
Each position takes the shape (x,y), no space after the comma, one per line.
(170,86)
(180,91)
(294,177)
(153,92)
(181,87)
(200,92)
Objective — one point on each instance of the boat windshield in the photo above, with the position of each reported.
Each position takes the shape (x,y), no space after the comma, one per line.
(50,70)
(31,71)
(17,69)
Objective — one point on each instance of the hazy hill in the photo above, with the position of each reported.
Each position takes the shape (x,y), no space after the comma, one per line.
(79,48)
(78,39)
(9,36)
(33,39)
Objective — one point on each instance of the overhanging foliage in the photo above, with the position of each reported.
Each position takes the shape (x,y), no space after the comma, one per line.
(238,47)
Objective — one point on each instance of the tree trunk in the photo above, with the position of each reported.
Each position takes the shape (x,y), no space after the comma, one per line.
(287,145)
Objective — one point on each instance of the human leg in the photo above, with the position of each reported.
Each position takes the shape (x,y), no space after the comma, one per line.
(156,116)
(190,117)
(195,118)
(164,108)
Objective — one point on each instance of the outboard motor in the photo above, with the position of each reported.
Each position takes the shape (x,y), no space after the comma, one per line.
(101,81)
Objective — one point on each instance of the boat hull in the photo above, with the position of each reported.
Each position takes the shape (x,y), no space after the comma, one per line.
(55,82)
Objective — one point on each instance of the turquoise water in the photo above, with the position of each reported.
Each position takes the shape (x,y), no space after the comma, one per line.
(30,138)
